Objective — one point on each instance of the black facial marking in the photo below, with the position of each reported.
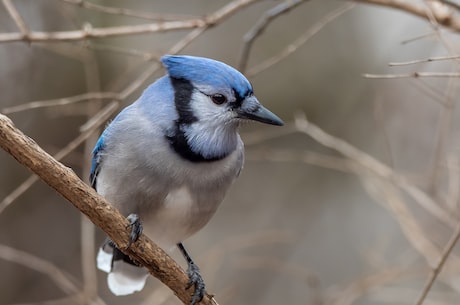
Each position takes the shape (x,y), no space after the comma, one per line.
(239,99)
(183,90)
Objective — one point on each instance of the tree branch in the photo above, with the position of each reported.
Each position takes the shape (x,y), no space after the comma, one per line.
(441,14)
(98,210)
(90,32)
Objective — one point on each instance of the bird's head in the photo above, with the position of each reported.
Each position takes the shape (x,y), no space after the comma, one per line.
(213,91)
(211,99)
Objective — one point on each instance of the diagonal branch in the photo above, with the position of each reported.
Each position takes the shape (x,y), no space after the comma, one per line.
(16,18)
(98,210)
(260,27)
(377,167)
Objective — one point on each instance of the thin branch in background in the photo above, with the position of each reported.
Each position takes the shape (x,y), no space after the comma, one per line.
(312,31)
(442,15)
(362,286)
(453,186)
(14,14)
(437,269)
(164,26)
(260,26)
(376,167)
(61,279)
(88,32)
(412,75)
(401,295)
(119,11)
(181,44)
(443,132)
(424,60)
(62,101)
(451,4)
(87,229)
(418,37)
(427,89)
(307,157)
(147,56)
(446,114)
(391,198)
(433,8)
(379,117)
(96,121)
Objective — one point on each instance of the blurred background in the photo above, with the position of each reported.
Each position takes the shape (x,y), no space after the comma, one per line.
(352,202)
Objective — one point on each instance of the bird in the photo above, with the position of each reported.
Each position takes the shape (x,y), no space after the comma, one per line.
(167,160)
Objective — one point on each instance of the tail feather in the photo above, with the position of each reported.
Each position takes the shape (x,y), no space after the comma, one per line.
(124,276)
(126,279)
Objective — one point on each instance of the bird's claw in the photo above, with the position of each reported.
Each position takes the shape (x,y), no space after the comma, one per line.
(136,228)
(195,279)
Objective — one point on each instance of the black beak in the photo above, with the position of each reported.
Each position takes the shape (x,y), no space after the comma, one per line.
(251,109)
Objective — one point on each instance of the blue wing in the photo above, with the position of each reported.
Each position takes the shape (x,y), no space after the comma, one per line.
(96,161)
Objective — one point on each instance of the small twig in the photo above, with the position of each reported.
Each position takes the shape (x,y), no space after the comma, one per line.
(16,18)
(312,31)
(418,37)
(418,61)
(147,56)
(437,269)
(127,12)
(260,27)
(412,75)
(62,101)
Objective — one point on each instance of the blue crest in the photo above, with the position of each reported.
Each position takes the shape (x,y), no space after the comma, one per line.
(201,70)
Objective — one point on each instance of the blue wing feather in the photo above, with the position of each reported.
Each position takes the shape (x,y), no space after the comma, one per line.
(96,161)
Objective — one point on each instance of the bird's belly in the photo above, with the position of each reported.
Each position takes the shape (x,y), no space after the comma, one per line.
(180,216)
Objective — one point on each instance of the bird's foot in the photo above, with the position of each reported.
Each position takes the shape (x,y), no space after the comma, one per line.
(136,228)
(195,279)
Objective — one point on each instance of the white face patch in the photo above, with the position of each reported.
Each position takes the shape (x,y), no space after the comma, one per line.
(206,111)
(215,131)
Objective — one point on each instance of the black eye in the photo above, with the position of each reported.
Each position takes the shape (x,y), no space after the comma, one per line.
(218,99)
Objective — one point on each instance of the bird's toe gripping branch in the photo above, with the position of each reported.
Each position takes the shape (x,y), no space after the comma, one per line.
(136,228)
(195,279)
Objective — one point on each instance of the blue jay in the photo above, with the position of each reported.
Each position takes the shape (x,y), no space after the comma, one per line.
(170,157)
